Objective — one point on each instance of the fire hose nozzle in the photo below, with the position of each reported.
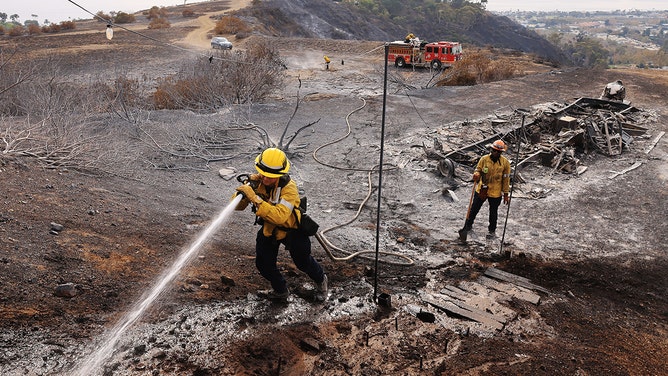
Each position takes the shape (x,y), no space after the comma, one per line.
(246,179)
(243,178)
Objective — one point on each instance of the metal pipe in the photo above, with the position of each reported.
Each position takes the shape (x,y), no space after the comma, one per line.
(514,180)
(380,176)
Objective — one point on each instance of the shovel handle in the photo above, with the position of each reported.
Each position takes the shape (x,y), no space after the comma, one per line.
(468,211)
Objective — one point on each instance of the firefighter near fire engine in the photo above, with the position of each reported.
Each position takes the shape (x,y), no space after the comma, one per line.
(491,183)
(279,211)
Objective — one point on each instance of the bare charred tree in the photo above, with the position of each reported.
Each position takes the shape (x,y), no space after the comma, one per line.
(54,143)
(252,74)
(196,146)
(57,123)
(12,75)
(207,141)
(239,77)
(126,99)
(286,147)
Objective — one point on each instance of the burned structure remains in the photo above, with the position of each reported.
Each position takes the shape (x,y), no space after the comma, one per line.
(556,136)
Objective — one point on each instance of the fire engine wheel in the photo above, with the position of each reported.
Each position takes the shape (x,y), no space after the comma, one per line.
(435,64)
(400,62)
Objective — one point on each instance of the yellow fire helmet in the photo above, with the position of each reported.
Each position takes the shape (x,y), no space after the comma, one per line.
(272,163)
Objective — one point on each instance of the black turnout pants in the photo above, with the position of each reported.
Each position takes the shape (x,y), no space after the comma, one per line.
(494,203)
(299,246)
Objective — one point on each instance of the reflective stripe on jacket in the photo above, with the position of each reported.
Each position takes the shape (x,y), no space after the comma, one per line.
(276,210)
(497,177)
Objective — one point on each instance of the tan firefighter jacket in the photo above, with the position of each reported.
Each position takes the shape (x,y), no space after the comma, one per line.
(497,177)
(276,209)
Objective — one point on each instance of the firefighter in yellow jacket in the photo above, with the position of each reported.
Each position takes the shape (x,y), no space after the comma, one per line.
(492,180)
(274,196)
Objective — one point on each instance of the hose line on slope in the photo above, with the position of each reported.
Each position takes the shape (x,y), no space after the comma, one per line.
(320,236)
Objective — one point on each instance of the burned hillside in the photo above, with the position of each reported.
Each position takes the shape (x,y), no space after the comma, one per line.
(336,20)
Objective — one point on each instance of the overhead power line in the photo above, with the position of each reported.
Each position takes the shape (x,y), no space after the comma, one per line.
(109,22)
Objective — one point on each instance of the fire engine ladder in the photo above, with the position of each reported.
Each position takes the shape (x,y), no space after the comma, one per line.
(415,56)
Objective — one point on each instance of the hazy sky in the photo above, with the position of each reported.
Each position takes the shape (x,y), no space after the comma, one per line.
(62,10)
(581,5)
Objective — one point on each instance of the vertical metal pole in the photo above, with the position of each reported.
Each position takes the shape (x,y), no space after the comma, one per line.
(380,177)
(510,196)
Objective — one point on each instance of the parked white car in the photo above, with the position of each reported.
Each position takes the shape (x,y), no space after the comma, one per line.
(221,42)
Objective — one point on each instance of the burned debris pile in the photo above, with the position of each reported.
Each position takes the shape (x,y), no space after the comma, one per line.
(554,135)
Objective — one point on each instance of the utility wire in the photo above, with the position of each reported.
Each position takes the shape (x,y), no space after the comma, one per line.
(416,109)
(111,23)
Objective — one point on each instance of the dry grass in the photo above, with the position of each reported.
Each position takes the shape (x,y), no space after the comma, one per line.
(231,25)
(481,66)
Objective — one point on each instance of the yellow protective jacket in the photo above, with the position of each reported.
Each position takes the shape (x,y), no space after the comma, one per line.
(276,209)
(497,177)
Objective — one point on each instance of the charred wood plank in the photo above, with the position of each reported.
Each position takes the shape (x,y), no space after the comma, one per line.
(457,310)
(485,300)
(531,158)
(654,142)
(512,290)
(513,278)
(633,129)
(633,167)
(475,144)
(456,293)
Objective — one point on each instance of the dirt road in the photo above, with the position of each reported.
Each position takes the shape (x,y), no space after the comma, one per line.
(201,36)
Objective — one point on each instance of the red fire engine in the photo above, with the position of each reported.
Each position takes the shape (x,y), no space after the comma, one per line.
(422,54)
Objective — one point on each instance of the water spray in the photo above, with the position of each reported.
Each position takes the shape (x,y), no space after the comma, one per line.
(92,364)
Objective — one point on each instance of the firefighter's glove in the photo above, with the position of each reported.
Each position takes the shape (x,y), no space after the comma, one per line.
(476,176)
(506,199)
(249,193)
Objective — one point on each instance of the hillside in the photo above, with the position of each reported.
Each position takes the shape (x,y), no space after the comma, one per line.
(336,20)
